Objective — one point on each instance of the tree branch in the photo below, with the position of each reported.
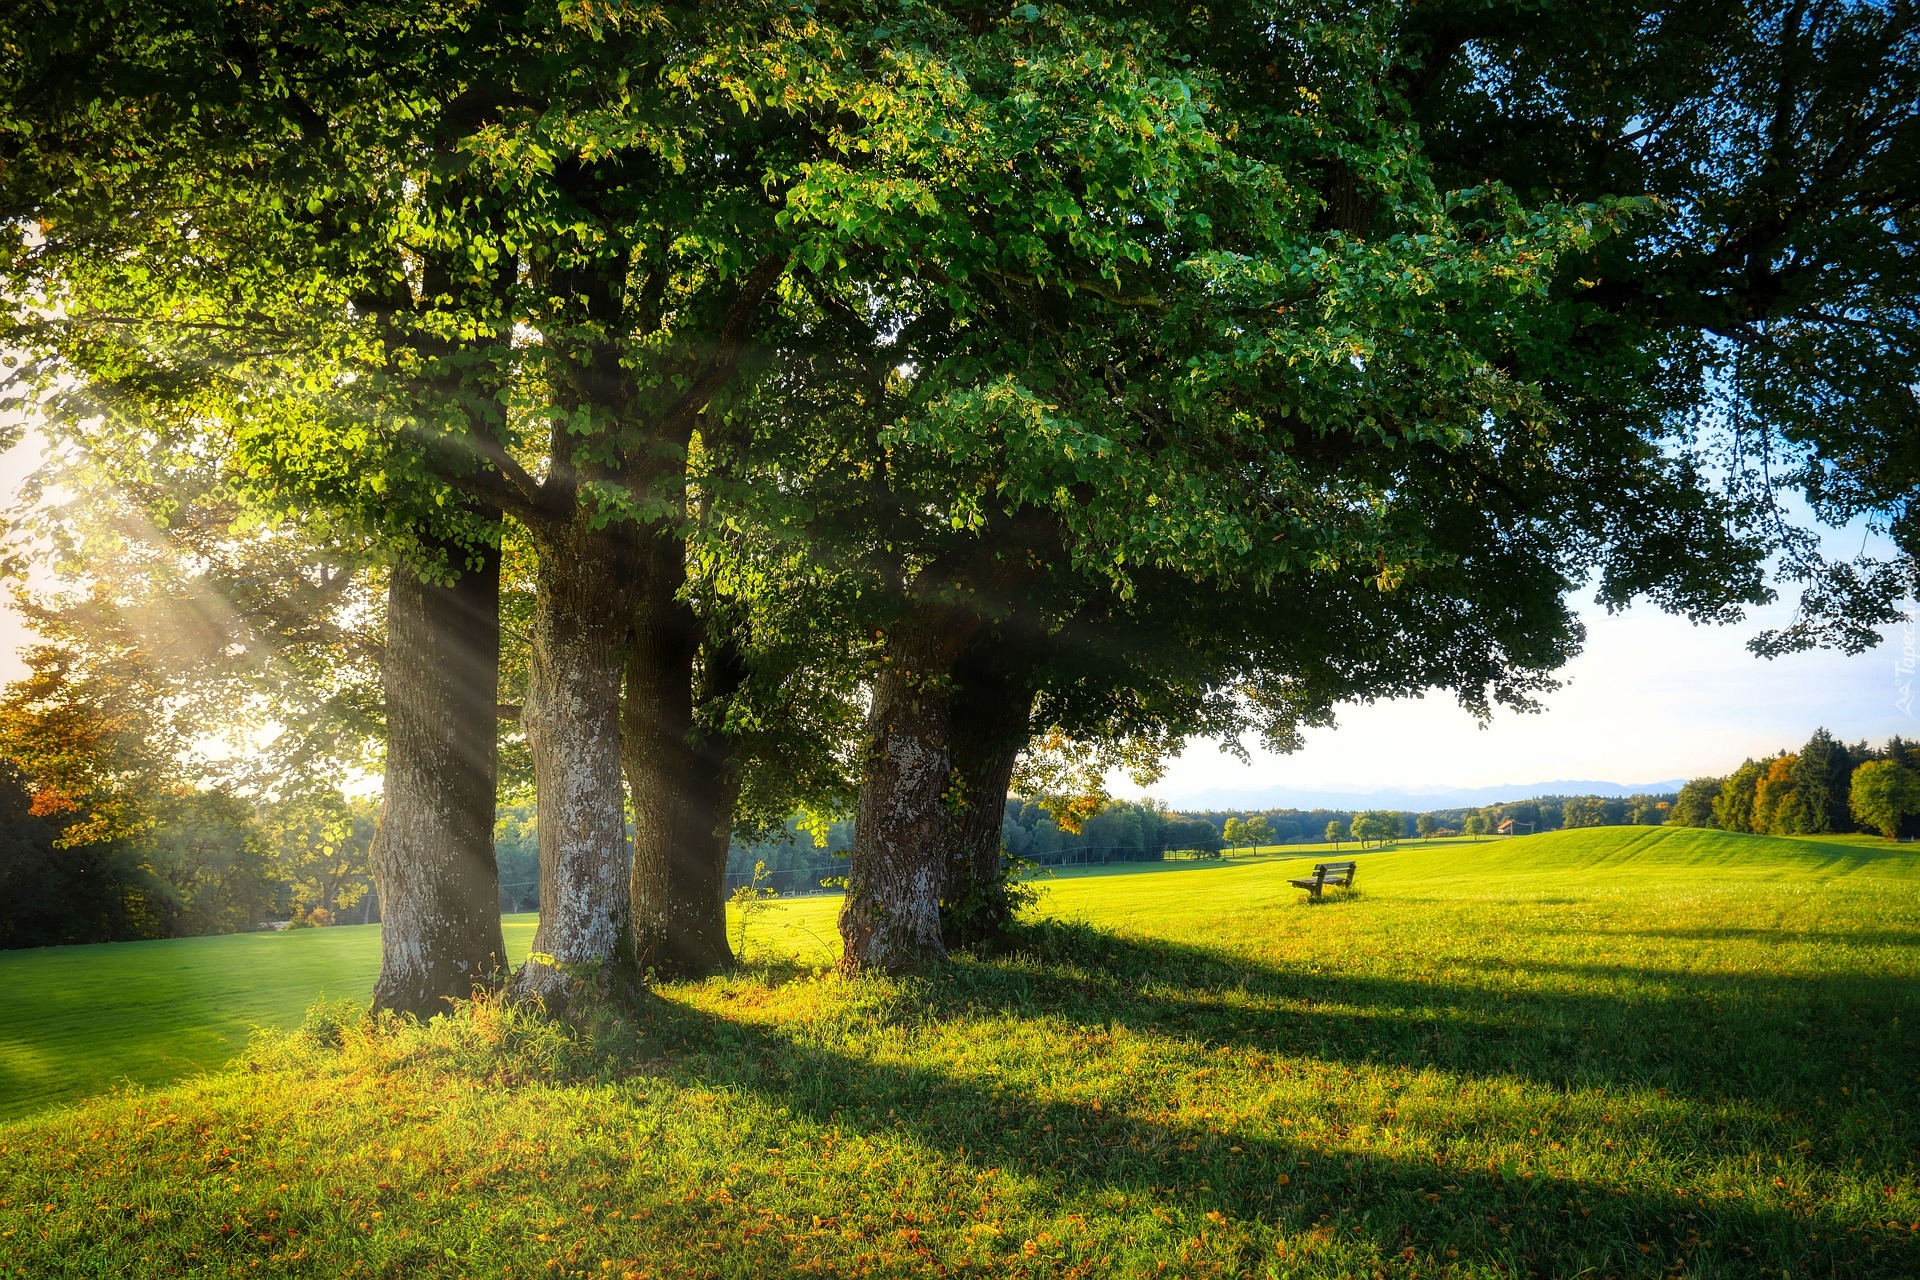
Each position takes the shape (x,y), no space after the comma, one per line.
(730,342)
(1098,288)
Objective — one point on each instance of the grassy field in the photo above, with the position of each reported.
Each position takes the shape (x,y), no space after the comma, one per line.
(77,1021)
(1623,1052)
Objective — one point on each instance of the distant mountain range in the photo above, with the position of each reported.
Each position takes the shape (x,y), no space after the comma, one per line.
(1411,799)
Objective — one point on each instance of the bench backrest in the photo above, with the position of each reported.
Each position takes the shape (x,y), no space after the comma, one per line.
(1334,870)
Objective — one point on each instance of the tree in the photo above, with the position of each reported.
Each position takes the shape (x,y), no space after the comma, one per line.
(1883,794)
(1424,824)
(1475,825)
(977,535)
(633,340)
(1694,807)
(1794,318)
(1652,528)
(49,894)
(420,256)
(1373,357)
(90,730)
(1778,809)
(213,869)
(1820,779)
(516,843)
(311,383)
(1234,833)
(226,623)
(1733,809)
(115,842)
(1196,834)
(1377,825)
(1646,811)
(1258,831)
(1583,811)
(1335,833)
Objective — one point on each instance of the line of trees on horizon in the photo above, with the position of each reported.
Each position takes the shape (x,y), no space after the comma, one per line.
(1031,831)
(1826,787)
(1538,813)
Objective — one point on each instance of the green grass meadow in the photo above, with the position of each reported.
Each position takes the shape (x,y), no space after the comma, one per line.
(1622,1052)
(79,1021)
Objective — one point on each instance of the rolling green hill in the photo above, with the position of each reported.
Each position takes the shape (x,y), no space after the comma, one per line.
(1613,1052)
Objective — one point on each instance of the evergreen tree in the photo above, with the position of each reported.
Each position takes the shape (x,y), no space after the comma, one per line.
(1821,778)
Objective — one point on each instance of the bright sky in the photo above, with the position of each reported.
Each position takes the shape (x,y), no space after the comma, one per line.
(1651,698)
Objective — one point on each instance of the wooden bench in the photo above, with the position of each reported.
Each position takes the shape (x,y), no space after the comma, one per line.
(1338,874)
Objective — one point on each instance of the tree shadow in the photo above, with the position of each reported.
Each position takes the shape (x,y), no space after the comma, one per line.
(1771,1040)
(1363,1207)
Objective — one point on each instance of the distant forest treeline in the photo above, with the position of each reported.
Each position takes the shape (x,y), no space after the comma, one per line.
(1812,791)
(1540,813)
(1807,792)
(1122,831)
(1148,831)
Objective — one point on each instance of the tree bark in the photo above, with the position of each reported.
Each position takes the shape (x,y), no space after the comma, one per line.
(583,590)
(891,919)
(990,714)
(434,869)
(677,772)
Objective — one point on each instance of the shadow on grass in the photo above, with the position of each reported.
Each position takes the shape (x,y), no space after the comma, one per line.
(1513,1220)
(1773,1040)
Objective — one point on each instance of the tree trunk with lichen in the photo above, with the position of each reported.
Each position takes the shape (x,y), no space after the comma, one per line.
(583,586)
(891,920)
(438,885)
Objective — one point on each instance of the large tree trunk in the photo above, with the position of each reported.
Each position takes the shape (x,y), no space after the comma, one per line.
(437,882)
(678,775)
(891,919)
(990,713)
(572,719)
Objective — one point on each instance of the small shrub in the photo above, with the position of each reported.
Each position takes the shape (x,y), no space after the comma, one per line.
(750,900)
(988,909)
